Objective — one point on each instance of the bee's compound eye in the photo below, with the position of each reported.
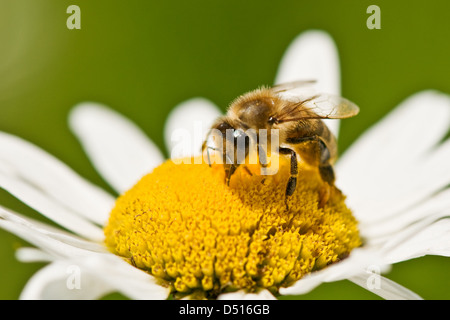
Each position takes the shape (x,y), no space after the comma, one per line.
(224,126)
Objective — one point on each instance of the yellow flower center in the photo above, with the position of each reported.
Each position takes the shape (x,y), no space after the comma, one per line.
(185,226)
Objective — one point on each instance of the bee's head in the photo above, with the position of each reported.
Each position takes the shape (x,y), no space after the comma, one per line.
(235,143)
(230,141)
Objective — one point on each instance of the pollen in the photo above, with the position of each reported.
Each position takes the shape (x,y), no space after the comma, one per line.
(185,226)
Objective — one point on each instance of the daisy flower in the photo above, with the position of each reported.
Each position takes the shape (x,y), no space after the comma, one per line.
(179,229)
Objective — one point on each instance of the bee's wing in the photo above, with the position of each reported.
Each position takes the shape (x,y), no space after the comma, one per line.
(328,106)
(307,103)
(292,85)
(295,90)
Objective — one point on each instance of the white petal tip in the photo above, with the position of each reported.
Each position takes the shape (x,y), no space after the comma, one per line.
(187,125)
(312,56)
(82,110)
(120,151)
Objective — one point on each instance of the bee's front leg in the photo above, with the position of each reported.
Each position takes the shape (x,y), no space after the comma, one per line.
(292,182)
(229,170)
(327,173)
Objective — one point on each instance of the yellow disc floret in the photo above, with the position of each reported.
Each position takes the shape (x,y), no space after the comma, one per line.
(185,226)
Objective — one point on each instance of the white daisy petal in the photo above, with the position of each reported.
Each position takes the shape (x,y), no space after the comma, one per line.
(313,56)
(124,278)
(96,263)
(358,268)
(27,254)
(387,289)
(434,206)
(118,149)
(92,278)
(242,295)
(62,280)
(187,127)
(35,199)
(418,240)
(57,243)
(356,263)
(404,153)
(399,134)
(24,162)
(57,248)
(407,187)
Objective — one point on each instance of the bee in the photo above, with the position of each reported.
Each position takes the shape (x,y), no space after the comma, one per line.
(297,114)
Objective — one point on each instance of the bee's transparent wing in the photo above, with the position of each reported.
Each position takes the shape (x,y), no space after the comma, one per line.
(296,90)
(328,106)
(310,104)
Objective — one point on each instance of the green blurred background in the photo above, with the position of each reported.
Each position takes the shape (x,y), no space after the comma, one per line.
(144,57)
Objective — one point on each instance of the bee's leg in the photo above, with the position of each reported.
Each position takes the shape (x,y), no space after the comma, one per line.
(324,195)
(321,157)
(262,161)
(262,156)
(327,173)
(248,171)
(209,160)
(292,182)
(229,170)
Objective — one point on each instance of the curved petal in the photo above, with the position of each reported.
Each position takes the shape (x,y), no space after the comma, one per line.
(118,149)
(24,163)
(242,295)
(124,278)
(29,254)
(102,271)
(313,56)
(34,198)
(434,207)
(55,242)
(395,165)
(427,237)
(62,280)
(92,278)
(187,126)
(387,289)
(358,261)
